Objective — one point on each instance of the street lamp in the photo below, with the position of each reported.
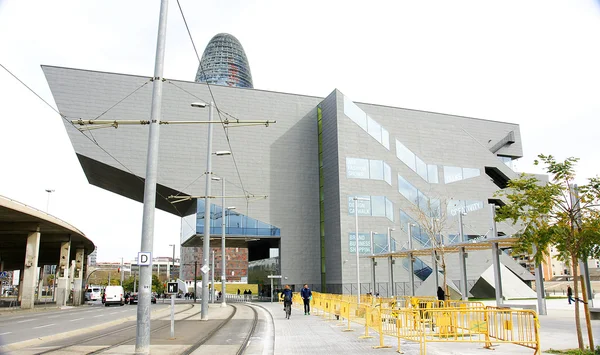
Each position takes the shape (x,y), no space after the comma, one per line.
(356,199)
(391,261)
(172,272)
(373,259)
(411,266)
(49,191)
(207,192)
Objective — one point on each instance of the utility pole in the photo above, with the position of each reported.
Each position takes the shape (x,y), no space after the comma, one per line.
(195,280)
(173,264)
(142,339)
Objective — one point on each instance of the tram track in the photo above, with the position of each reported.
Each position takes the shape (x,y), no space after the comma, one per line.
(233,324)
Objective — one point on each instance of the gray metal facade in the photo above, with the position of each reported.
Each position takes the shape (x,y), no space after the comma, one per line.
(281,161)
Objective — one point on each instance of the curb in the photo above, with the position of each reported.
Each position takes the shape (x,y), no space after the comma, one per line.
(60,336)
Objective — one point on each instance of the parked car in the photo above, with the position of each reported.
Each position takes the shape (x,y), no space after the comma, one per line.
(134,298)
(114,295)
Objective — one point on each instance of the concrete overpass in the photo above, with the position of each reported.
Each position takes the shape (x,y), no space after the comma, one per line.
(30,238)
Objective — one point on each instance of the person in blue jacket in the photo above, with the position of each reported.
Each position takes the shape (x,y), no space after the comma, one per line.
(306,295)
(286,294)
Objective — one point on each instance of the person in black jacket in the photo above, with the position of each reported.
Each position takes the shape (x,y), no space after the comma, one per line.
(441,295)
(306,295)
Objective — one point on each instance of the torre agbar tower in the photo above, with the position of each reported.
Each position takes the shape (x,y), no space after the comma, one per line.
(224,62)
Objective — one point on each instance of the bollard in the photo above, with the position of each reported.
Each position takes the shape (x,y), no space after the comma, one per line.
(345,311)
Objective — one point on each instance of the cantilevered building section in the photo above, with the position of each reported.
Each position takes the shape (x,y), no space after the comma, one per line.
(403,164)
(224,62)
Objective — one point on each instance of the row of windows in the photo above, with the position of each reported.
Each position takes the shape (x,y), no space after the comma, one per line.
(428,172)
(429,206)
(380,243)
(371,126)
(374,206)
(357,168)
(454,173)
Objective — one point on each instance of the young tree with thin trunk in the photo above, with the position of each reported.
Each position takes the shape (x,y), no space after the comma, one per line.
(558,213)
(433,219)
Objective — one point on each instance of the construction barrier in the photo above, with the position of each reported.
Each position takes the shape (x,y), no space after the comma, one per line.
(424,320)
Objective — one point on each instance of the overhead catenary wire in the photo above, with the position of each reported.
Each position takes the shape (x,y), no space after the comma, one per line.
(212,96)
(66,118)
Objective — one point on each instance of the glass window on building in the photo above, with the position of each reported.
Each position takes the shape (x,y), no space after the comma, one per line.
(376,169)
(378,206)
(408,190)
(357,168)
(405,155)
(452,174)
(389,209)
(421,168)
(374,128)
(364,206)
(385,138)
(355,113)
(387,173)
(470,173)
(432,174)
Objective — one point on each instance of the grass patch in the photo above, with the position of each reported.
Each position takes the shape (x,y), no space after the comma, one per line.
(575,351)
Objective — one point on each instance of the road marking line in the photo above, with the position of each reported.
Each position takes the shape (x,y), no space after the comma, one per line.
(101,315)
(6,333)
(43,326)
(113,313)
(74,320)
(54,316)
(26,320)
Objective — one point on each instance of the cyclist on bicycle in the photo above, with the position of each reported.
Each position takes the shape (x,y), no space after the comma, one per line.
(286,294)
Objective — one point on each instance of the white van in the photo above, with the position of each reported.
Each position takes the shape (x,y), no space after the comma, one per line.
(114,295)
(93,293)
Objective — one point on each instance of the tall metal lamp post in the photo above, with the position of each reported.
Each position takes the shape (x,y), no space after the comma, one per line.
(223,226)
(391,259)
(207,192)
(356,199)
(49,191)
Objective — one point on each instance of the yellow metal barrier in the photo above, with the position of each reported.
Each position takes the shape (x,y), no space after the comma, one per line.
(425,319)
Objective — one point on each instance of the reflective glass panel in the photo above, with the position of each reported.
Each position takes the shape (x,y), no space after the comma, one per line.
(364,207)
(452,174)
(421,168)
(387,173)
(407,190)
(374,128)
(405,155)
(455,207)
(378,206)
(470,173)
(389,209)
(357,168)
(432,174)
(376,169)
(355,113)
(471,206)
(385,138)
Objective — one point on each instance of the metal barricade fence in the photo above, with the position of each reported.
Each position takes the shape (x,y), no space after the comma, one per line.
(425,319)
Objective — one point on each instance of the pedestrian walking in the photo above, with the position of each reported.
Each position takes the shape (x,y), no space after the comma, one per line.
(306,295)
(441,295)
(570,294)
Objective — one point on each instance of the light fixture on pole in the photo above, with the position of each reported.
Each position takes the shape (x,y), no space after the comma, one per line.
(390,259)
(356,238)
(49,191)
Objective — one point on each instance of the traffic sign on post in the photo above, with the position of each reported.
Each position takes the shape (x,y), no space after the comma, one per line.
(172,287)
(144,259)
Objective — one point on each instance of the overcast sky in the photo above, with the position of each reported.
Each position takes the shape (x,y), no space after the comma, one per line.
(535,63)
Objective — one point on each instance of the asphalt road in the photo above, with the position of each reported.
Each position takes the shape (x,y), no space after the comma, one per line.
(24,326)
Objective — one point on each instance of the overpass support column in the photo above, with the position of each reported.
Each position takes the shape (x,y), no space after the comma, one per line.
(63,289)
(78,277)
(30,271)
